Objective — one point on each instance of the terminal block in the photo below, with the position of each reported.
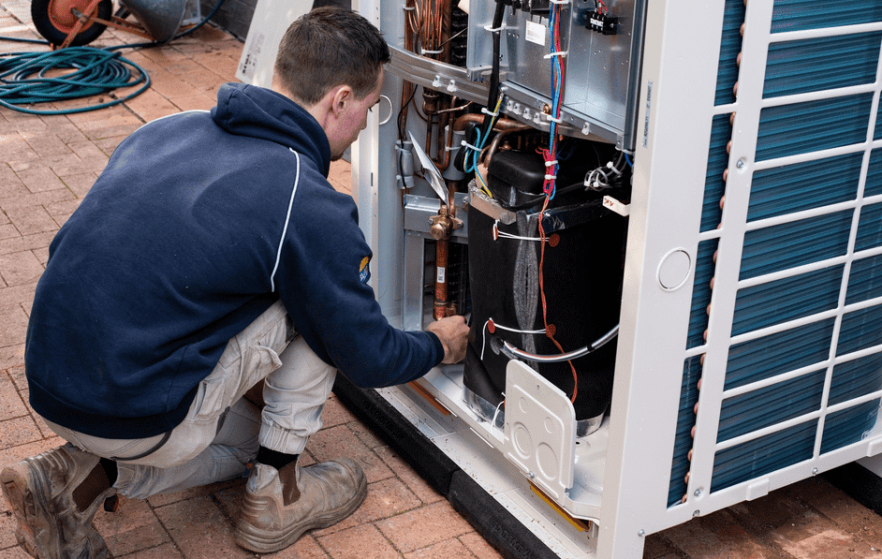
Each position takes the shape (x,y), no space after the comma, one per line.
(602,23)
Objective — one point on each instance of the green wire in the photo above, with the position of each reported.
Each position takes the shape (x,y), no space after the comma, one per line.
(23,78)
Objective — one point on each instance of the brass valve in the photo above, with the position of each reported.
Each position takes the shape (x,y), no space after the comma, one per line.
(443,224)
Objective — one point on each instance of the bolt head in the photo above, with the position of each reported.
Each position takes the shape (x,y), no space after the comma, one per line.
(739,163)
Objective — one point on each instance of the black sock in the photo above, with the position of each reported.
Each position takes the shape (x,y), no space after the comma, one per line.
(277,460)
(110,469)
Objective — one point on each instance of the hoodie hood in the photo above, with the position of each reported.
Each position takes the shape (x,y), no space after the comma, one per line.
(262,113)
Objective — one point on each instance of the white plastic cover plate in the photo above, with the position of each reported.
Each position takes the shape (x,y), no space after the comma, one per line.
(540,429)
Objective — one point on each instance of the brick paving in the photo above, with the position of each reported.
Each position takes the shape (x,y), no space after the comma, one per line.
(47,165)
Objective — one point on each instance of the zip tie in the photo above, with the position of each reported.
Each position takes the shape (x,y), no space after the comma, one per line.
(425,52)
(561,53)
(559,2)
(497,234)
(497,30)
(552,119)
(551,163)
(469,146)
(515,330)
(408,8)
(486,112)
(450,148)
(550,177)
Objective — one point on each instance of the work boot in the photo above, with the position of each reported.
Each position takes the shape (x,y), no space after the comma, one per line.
(55,496)
(280,505)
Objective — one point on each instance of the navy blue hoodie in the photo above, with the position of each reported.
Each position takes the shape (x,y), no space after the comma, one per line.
(199,222)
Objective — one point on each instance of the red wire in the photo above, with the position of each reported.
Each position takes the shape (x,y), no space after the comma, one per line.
(546,155)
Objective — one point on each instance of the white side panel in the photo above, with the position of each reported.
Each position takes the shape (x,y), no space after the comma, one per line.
(269,23)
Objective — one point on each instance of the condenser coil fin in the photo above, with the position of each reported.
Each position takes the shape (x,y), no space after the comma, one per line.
(856,378)
(730,46)
(770,405)
(869,233)
(860,329)
(799,15)
(813,126)
(778,353)
(873,185)
(864,280)
(717,161)
(848,426)
(685,421)
(776,302)
(701,292)
(763,455)
(823,63)
(797,187)
(785,246)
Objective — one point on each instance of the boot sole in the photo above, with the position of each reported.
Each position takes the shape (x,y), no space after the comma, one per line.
(262,541)
(31,507)
(40,530)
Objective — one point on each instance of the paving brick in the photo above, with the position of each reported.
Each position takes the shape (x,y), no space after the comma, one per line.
(204,80)
(199,529)
(335,413)
(844,512)
(38,199)
(719,537)
(39,178)
(360,542)
(196,102)
(304,548)
(66,164)
(11,356)
(448,549)
(63,127)
(479,546)
(135,529)
(80,183)
(31,219)
(20,268)
(19,431)
(150,105)
(405,473)
(14,553)
(12,333)
(166,551)
(7,530)
(365,435)
(340,442)
(45,143)
(424,526)
(384,499)
(16,295)
(61,211)
(11,405)
(828,544)
(170,86)
(8,230)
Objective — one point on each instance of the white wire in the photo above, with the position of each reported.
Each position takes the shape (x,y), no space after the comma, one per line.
(504,235)
(506,328)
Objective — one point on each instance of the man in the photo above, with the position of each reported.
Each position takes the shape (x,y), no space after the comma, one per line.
(212,254)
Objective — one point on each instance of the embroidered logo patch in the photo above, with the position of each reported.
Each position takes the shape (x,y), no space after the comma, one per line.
(364,270)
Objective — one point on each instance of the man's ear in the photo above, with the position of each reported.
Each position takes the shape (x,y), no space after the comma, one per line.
(342,96)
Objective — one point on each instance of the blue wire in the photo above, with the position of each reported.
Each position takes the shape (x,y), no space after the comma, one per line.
(628,160)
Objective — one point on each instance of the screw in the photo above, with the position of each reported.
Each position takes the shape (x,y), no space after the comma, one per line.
(532,475)
(698,492)
(739,163)
(814,471)
(641,533)
(696,513)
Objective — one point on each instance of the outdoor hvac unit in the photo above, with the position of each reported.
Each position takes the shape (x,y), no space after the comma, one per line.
(749,287)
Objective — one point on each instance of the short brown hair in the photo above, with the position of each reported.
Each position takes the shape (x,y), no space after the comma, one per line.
(328,47)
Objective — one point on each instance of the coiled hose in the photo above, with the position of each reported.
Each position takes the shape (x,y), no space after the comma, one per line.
(25,77)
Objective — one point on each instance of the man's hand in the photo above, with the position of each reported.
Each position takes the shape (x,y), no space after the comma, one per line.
(453,333)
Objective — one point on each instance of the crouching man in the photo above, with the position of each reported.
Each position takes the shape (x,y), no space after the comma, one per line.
(210,255)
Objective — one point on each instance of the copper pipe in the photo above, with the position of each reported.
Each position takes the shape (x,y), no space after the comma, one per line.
(441,253)
(495,143)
